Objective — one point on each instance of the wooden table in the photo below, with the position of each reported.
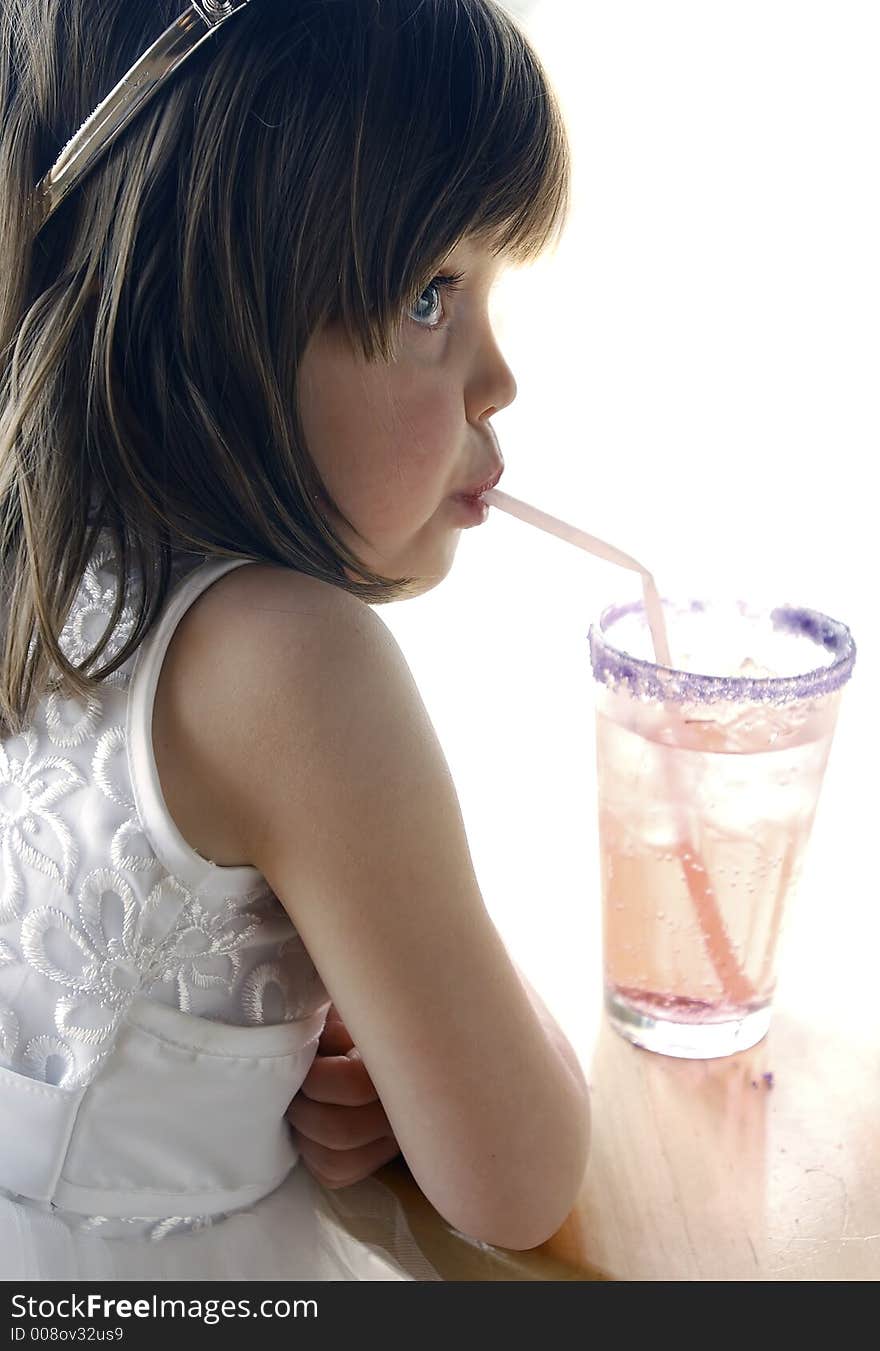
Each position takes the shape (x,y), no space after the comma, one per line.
(696,1173)
(701,1170)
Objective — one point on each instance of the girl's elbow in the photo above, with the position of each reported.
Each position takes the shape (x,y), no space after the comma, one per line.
(528,1220)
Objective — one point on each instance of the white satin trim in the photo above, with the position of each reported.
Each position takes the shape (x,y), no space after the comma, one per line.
(186,1116)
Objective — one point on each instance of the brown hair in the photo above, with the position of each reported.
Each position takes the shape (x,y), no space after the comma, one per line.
(313,162)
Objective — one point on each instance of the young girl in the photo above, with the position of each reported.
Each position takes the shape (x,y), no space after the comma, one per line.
(246,369)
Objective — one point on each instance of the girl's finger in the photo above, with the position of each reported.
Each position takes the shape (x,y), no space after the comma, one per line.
(339,1079)
(338,1127)
(335,1038)
(341,1168)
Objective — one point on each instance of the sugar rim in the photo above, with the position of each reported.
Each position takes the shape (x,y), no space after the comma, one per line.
(648,680)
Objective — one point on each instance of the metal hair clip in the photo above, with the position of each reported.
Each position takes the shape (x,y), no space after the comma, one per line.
(146,77)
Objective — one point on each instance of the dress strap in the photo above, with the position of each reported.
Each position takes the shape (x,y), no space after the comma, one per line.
(199,875)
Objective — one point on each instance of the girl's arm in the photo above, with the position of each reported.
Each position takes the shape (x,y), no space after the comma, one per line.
(336,787)
(341,1129)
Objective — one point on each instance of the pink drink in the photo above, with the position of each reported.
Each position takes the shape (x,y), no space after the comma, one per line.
(708,786)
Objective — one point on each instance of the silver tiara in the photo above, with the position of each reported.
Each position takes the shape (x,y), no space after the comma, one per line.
(146,77)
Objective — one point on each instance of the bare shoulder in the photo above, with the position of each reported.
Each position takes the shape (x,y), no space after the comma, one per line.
(247,593)
(268,613)
(253,635)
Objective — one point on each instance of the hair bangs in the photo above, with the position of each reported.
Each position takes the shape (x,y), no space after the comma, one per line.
(459,134)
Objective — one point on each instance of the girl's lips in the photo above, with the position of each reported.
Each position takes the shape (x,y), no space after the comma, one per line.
(471,509)
(471,494)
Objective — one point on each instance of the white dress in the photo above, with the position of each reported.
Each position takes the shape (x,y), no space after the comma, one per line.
(157,1014)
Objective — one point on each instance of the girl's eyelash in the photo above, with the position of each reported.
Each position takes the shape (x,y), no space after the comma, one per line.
(450,282)
(446,282)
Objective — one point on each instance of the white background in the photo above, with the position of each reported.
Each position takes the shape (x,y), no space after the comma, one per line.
(697,368)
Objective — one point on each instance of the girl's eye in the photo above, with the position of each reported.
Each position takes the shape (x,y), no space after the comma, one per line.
(428,316)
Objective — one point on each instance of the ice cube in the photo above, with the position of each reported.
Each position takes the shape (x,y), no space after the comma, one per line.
(658,832)
(739,809)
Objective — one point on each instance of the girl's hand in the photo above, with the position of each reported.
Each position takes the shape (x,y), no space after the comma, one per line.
(339,1124)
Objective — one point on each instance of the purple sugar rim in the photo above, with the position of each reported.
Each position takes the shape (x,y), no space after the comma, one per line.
(647,680)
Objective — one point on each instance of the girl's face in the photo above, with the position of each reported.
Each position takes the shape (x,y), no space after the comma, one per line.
(394,442)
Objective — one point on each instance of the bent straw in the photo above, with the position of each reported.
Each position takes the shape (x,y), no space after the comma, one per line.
(734,981)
